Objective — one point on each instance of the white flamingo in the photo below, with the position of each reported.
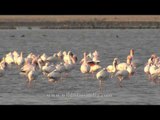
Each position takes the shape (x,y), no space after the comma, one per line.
(15,56)
(28,67)
(123,66)
(54,59)
(54,76)
(3,66)
(60,68)
(112,68)
(102,75)
(32,75)
(71,64)
(65,57)
(60,55)
(9,59)
(20,59)
(122,75)
(44,57)
(96,57)
(94,67)
(85,68)
(135,62)
(147,67)
(47,68)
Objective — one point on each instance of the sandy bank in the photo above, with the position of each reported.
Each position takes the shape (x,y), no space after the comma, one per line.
(82,21)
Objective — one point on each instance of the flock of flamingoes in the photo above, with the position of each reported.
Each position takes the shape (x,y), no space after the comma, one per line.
(61,64)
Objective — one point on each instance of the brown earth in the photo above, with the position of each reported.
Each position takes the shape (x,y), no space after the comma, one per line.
(81,21)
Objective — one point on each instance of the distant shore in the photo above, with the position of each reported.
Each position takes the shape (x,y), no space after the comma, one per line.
(80,22)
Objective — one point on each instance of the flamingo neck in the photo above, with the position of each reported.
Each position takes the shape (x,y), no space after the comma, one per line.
(114,66)
(21,55)
(85,59)
(128,61)
(69,60)
(132,52)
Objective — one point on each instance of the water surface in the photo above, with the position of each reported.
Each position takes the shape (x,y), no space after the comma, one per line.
(77,88)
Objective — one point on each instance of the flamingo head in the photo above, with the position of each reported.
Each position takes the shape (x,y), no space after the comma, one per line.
(153,56)
(85,54)
(64,53)
(75,58)
(95,53)
(129,59)
(70,53)
(115,61)
(132,52)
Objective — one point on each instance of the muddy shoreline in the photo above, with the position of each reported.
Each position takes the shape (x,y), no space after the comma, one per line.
(80,21)
(81,25)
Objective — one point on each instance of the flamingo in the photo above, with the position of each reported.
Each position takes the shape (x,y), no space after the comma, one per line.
(154,73)
(135,62)
(123,66)
(96,57)
(65,57)
(28,66)
(125,70)
(54,59)
(70,65)
(60,67)
(15,56)
(60,55)
(3,66)
(9,59)
(74,59)
(85,68)
(32,75)
(54,76)
(44,57)
(112,68)
(122,75)
(47,68)
(94,67)
(20,59)
(101,76)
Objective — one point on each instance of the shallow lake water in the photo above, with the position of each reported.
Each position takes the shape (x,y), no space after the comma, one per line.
(77,88)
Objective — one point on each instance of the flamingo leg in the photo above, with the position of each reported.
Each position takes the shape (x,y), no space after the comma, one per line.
(29,85)
(149,77)
(129,77)
(87,76)
(158,80)
(121,84)
(112,74)
(50,81)
(33,83)
(120,81)
(93,75)
(66,74)
(100,86)
(155,81)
